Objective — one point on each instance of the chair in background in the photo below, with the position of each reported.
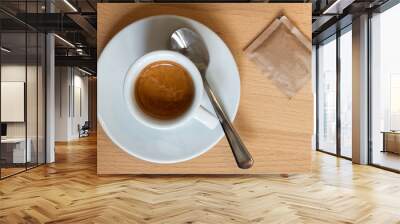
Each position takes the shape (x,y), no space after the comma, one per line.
(84,130)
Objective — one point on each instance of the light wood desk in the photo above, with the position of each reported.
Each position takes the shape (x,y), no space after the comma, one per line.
(391,141)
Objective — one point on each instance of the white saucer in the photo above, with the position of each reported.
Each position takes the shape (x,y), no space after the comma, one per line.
(161,146)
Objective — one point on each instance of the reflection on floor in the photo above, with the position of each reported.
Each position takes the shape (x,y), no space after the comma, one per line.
(346,152)
(387,159)
(10,169)
(70,191)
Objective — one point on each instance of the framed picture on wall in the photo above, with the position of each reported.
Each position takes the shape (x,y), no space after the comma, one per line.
(12,101)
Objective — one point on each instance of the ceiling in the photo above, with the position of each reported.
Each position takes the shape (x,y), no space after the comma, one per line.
(75,21)
(72,20)
(332,15)
(16,43)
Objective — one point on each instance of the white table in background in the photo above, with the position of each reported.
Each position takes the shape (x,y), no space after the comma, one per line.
(19,149)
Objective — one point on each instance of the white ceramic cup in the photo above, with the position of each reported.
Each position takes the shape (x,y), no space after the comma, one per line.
(195,111)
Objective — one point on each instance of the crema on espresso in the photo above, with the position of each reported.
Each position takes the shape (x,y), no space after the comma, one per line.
(164,90)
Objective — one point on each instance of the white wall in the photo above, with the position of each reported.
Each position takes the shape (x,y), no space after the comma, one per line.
(81,84)
(12,73)
(387,63)
(62,81)
(12,101)
(70,83)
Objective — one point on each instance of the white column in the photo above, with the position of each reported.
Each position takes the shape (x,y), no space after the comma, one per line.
(50,100)
(360,90)
(314,91)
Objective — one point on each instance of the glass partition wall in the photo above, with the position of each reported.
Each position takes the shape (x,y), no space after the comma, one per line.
(385,89)
(327,95)
(346,95)
(13,89)
(334,93)
(22,78)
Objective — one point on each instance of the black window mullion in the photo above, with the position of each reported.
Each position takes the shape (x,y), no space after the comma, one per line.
(369,90)
(0,97)
(338,81)
(317,96)
(26,87)
(45,94)
(73,92)
(37,90)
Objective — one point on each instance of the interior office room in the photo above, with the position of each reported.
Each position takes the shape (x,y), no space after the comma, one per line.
(24,68)
(53,163)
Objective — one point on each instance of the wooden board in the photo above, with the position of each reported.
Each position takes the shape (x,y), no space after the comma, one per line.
(276,130)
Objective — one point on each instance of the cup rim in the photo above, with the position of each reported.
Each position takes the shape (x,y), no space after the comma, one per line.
(133,73)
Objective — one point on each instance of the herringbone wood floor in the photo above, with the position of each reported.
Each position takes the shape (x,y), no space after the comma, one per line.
(69,191)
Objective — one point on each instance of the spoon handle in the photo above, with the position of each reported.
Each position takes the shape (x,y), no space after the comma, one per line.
(242,156)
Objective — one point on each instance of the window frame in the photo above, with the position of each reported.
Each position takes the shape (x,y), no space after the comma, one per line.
(334,37)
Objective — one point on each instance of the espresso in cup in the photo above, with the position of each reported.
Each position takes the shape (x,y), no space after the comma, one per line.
(164,90)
